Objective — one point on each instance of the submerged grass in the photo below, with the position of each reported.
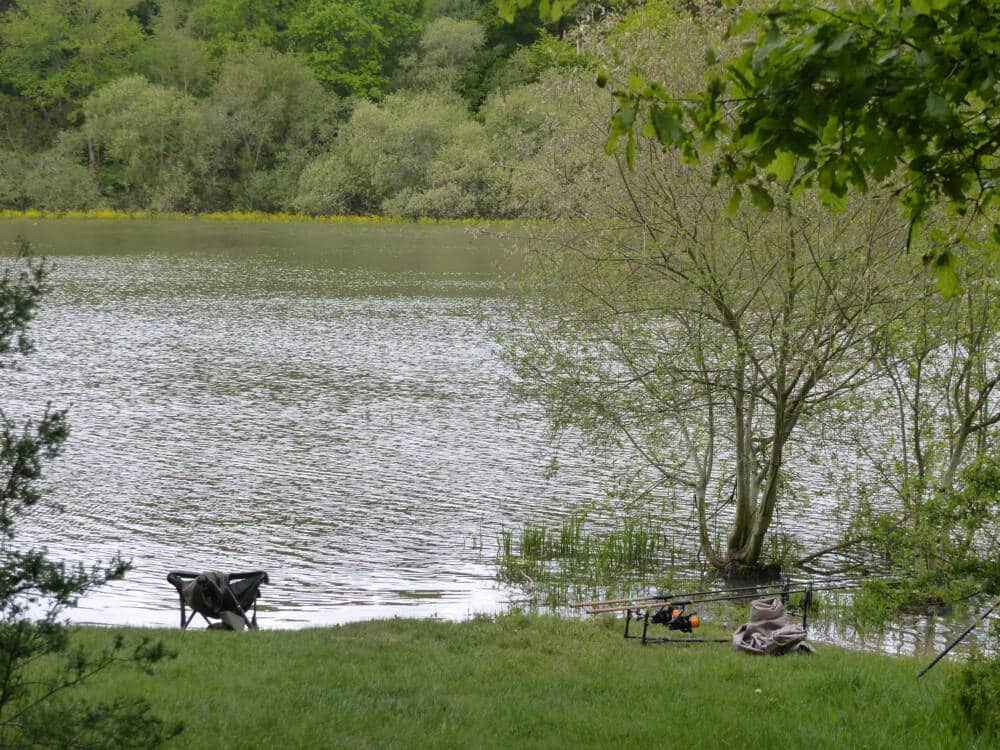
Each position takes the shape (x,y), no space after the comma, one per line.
(537,682)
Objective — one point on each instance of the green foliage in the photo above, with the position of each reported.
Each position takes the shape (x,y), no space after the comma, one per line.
(543,146)
(39,667)
(836,101)
(151,144)
(946,547)
(271,112)
(416,155)
(232,112)
(461,180)
(226,22)
(354,46)
(447,42)
(13,168)
(977,691)
(447,46)
(56,181)
(23,125)
(172,55)
(549,11)
(660,322)
(461,10)
(654,15)
(54,53)
(527,64)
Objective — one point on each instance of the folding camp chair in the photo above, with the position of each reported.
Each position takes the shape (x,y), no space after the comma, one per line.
(220,596)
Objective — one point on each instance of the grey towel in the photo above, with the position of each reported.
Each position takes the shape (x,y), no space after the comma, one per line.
(769,631)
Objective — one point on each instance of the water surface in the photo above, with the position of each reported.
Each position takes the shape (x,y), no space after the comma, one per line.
(321,402)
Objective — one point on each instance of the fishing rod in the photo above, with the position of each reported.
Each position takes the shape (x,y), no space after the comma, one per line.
(653,597)
(732,594)
(670,608)
(950,646)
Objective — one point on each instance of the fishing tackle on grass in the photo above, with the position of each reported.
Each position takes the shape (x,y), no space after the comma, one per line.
(669,609)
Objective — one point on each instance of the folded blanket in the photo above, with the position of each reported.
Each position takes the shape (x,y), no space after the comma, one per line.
(769,631)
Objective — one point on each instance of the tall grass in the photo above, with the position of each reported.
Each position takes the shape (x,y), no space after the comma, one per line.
(574,560)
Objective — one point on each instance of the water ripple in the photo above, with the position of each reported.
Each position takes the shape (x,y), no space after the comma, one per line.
(339,426)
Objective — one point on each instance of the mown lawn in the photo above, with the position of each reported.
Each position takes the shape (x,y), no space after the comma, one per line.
(531,682)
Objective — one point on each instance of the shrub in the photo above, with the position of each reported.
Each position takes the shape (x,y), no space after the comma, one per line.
(977,691)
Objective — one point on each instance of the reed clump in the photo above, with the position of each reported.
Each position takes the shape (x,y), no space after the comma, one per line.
(574,559)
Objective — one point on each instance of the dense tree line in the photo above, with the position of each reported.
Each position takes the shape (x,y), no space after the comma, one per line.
(295,105)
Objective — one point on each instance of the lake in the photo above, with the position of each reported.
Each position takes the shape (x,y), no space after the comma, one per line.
(321,401)
(318,401)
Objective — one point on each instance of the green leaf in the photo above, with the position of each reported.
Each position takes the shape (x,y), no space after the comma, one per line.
(946,276)
(783,165)
(843,39)
(831,131)
(761,198)
(937,107)
(745,21)
(630,150)
(710,57)
(734,202)
(669,130)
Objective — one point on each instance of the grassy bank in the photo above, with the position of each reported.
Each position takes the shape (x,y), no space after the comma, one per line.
(530,682)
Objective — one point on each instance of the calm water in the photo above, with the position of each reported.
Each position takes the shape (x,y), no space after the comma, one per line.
(318,401)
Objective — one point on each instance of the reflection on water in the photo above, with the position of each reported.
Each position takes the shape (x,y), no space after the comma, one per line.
(321,402)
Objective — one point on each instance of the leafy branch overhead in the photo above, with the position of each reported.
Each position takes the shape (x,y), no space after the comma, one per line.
(844,96)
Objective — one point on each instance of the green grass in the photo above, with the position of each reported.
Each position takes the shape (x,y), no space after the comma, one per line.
(530,682)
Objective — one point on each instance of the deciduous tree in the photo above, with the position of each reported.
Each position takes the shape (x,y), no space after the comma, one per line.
(272,115)
(149,144)
(354,46)
(54,53)
(840,96)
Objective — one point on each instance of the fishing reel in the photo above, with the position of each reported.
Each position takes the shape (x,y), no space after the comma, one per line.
(672,615)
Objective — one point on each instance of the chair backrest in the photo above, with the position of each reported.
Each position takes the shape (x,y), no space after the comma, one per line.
(247,589)
(211,593)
